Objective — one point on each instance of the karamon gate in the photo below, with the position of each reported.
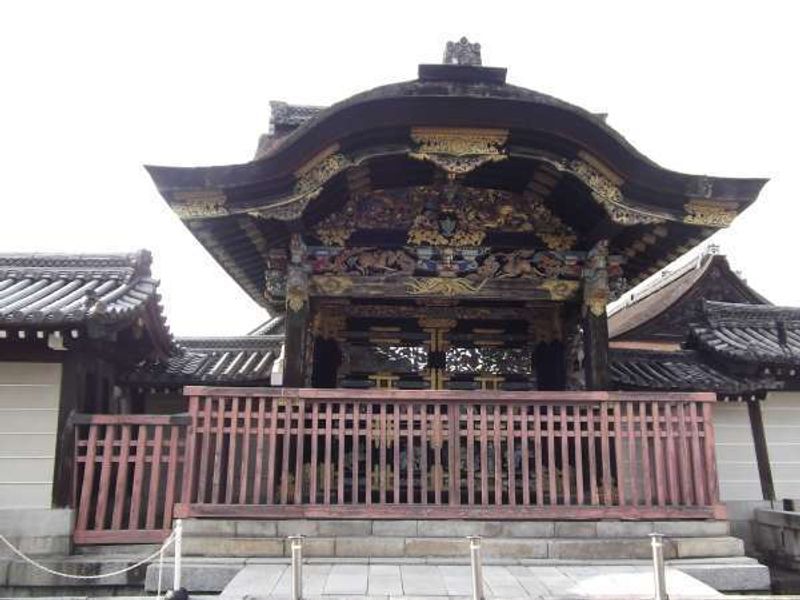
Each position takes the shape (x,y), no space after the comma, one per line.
(443,250)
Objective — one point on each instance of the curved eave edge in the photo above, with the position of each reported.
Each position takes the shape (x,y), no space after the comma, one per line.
(324,130)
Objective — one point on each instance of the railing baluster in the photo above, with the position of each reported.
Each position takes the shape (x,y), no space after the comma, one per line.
(341,452)
(577,429)
(312,476)
(510,457)
(356,452)
(382,474)
(526,475)
(605,454)
(537,449)
(233,434)
(273,442)
(244,472)
(498,456)
(138,477)
(88,478)
(591,445)
(454,453)
(396,452)
(155,477)
(672,456)
(423,453)
(565,470)
(205,452)
(368,458)
(685,466)
(104,484)
(409,453)
(299,447)
(658,455)
(122,477)
(172,470)
(286,439)
(258,476)
(697,460)
(437,454)
(470,454)
(647,474)
(552,495)
(632,462)
(216,481)
(618,439)
(484,455)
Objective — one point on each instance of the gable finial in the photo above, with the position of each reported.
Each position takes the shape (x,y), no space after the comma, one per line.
(462,53)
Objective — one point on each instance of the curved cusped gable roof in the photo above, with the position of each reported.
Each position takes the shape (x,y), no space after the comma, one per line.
(316,157)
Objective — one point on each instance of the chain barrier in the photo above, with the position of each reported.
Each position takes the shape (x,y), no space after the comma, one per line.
(39,565)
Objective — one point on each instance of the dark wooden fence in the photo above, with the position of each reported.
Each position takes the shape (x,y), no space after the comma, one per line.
(251,453)
(128,474)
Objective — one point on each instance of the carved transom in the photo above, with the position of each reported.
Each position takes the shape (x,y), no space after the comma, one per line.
(446,215)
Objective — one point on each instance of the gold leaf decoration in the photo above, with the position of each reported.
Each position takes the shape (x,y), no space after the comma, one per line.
(442,286)
(198,204)
(459,151)
(609,196)
(710,213)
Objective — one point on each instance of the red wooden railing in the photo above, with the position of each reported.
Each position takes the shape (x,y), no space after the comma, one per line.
(251,453)
(128,470)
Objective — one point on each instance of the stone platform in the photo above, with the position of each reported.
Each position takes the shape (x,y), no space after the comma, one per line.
(504,540)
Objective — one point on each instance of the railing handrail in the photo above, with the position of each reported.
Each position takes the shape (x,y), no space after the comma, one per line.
(390,395)
(89,419)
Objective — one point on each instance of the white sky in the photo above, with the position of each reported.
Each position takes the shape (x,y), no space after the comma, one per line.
(92,91)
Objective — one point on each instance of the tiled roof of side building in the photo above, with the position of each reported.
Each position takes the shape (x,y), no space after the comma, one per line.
(664,307)
(52,290)
(751,333)
(218,360)
(683,370)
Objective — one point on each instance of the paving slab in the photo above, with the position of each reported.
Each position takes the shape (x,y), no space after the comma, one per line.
(385,580)
(347,579)
(423,580)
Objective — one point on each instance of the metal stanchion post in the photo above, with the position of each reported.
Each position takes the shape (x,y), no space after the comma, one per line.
(657,544)
(477,566)
(176,581)
(297,566)
(178,592)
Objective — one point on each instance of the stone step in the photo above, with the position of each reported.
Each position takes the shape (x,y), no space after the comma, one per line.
(727,575)
(451,528)
(457,547)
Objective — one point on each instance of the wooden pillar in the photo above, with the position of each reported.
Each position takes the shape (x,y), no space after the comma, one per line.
(595,351)
(297,311)
(595,321)
(760,444)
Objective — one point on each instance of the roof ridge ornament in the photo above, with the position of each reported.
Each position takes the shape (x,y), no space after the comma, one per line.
(462,53)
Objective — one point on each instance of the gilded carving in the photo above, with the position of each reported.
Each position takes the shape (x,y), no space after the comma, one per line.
(446,215)
(560,289)
(609,196)
(459,151)
(198,204)
(710,213)
(442,286)
(595,276)
(309,185)
(296,289)
(332,285)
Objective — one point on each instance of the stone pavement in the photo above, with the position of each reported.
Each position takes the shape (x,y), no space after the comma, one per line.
(442,582)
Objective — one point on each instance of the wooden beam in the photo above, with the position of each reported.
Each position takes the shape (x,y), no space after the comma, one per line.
(762,454)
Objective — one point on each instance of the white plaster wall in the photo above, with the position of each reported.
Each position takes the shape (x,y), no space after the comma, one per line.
(781,414)
(29,397)
(736,455)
